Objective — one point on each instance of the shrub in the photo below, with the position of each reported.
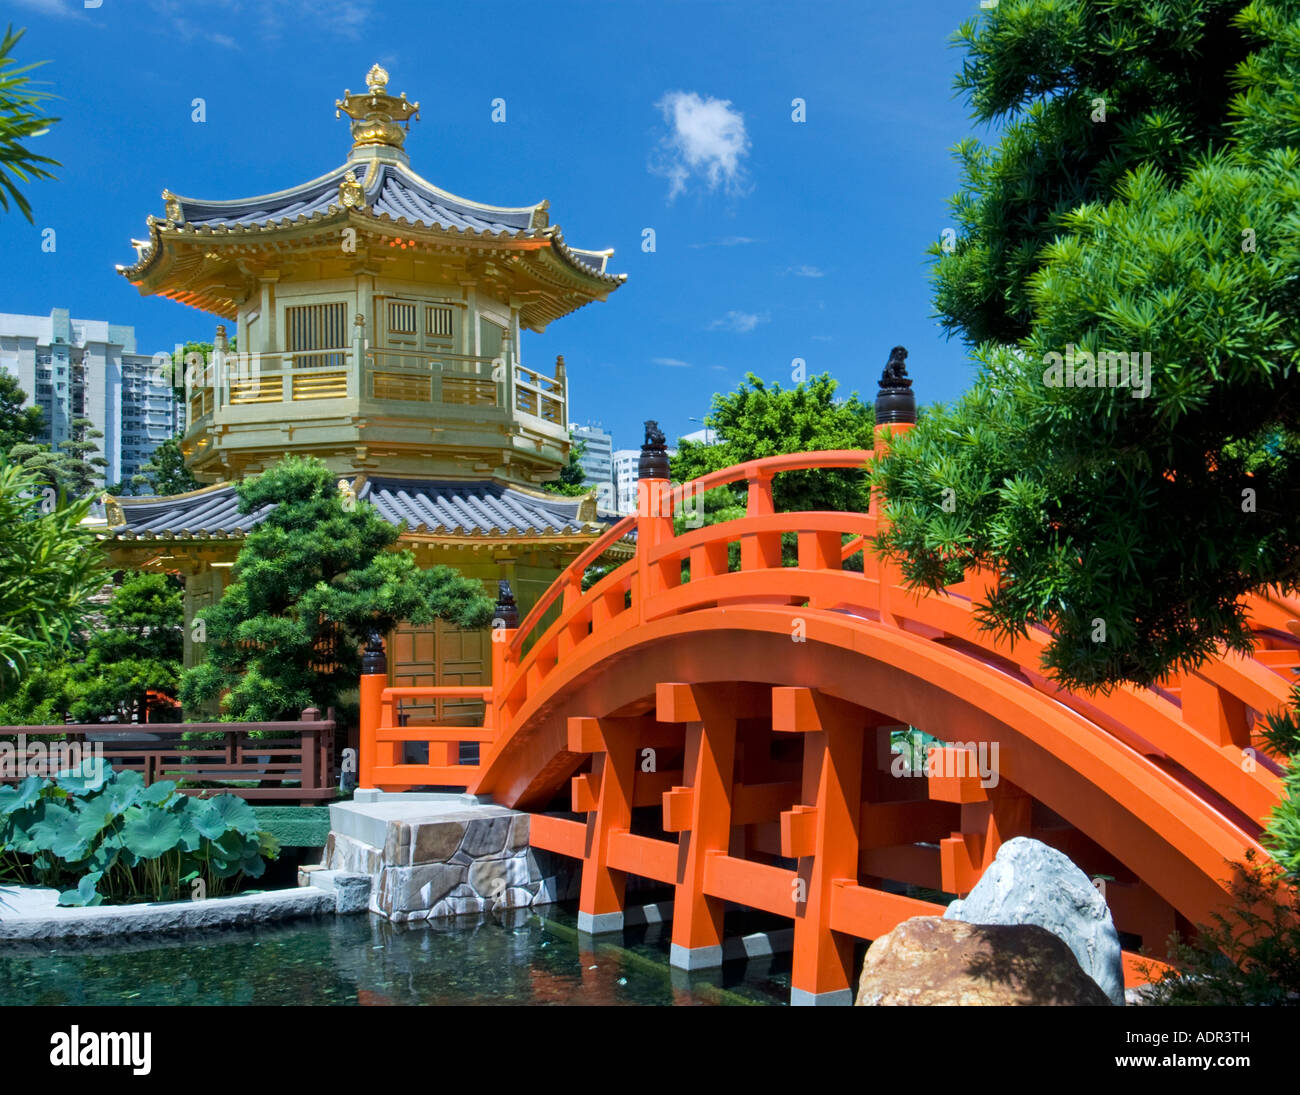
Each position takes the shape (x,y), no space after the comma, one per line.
(1249,955)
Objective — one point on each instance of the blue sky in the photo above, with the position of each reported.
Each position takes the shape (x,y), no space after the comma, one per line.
(774,240)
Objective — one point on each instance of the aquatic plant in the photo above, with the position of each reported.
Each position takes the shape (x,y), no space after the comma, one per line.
(101,835)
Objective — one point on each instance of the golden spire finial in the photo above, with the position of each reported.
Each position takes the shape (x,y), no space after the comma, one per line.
(376,115)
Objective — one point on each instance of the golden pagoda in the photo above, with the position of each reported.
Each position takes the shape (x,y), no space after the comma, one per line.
(378,321)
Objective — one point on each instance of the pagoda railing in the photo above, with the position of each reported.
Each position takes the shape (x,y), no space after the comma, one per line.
(388,375)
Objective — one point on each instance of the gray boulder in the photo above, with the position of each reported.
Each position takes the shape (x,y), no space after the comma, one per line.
(1030,883)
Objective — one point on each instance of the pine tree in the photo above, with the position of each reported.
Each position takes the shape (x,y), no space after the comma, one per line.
(1128,520)
(166,472)
(138,650)
(18,424)
(312,580)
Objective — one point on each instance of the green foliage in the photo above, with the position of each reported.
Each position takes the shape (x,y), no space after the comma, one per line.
(101,835)
(18,424)
(75,468)
(138,650)
(311,581)
(166,472)
(21,116)
(50,566)
(1249,956)
(1281,732)
(572,480)
(1163,71)
(1282,837)
(1128,526)
(759,420)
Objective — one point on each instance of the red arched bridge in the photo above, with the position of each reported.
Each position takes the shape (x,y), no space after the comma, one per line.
(726,730)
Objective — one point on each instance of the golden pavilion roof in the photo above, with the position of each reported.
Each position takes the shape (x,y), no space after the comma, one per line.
(209,253)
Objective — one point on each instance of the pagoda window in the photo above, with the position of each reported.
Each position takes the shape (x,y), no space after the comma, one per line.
(317,327)
(438,323)
(401,317)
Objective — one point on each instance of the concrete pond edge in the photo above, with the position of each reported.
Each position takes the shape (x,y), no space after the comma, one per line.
(31,913)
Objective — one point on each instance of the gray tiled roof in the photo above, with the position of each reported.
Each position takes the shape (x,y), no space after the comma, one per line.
(303,201)
(400,196)
(392,192)
(434,506)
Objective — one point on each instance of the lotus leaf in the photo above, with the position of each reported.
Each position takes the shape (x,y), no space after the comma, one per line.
(158,793)
(124,790)
(13,799)
(90,775)
(205,817)
(151,833)
(84,894)
(236,813)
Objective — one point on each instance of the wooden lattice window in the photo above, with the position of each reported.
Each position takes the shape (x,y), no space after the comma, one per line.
(316,327)
(437,322)
(401,318)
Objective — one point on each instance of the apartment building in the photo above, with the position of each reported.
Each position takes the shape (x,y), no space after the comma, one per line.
(86,368)
(596,462)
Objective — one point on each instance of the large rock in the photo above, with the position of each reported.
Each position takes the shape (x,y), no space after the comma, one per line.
(1030,883)
(929,961)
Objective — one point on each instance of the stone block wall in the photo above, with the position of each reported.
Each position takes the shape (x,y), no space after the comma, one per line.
(454,863)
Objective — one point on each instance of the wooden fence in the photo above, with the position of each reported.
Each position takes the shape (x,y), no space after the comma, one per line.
(294,765)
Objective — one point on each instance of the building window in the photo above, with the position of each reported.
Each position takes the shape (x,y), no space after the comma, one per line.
(437,322)
(401,318)
(316,327)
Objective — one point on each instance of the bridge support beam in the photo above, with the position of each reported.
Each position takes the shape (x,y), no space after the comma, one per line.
(608,795)
(710,717)
(823,834)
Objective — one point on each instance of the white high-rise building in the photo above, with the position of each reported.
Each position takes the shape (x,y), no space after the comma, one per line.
(596,462)
(625,467)
(88,368)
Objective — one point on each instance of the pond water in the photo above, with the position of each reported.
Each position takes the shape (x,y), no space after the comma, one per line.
(524,957)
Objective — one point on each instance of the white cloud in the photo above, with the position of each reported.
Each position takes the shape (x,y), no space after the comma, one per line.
(64,8)
(727,241)
(707,140)
(740,323)
(672,362)
(191,19)
(806,271)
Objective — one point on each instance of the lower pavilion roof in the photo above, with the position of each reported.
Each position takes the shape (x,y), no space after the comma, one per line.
(478,509)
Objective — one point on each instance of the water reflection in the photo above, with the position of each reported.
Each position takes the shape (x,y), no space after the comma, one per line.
(520,956)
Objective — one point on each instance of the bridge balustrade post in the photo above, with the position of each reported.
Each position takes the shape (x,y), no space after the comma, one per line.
(822,832)
(374,679)
(654,518)
(760,551)
(709,771)
(505,626)
(895,415)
